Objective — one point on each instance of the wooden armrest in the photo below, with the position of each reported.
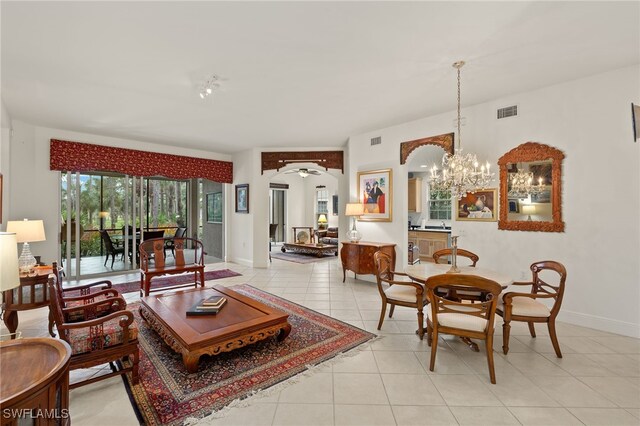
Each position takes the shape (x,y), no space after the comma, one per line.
(106,283)
(111,301)
(414,284)
(97,321)
(106,292)
(506,297)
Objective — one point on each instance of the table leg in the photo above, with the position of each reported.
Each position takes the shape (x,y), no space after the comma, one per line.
(51,333)
(284,332)
(11,321)
(472,345)
(190,362)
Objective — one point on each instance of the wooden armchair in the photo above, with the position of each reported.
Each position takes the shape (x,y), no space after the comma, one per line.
(82,295)
(526,307)
(467,320)
(153,249)
(400,292)
(97,341)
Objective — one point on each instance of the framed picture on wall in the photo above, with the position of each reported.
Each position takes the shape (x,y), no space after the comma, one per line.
(481,206)
(375,191)
(214,207)
(334,205)
(242,198)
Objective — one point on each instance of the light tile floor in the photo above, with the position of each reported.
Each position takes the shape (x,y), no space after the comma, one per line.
(388,383)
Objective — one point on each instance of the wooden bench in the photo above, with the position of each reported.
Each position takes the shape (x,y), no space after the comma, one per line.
(152,262)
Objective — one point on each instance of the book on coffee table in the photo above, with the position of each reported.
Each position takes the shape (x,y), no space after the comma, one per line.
(201,309)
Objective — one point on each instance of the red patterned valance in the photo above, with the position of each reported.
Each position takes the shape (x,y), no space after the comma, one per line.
(84,157)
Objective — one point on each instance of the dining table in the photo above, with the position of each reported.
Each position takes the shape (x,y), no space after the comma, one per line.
(421,272)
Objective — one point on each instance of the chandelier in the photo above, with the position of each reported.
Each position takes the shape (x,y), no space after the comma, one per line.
(460,173)
(521,185)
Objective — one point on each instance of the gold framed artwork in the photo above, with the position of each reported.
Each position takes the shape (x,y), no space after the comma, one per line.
(375,191)
(481,206)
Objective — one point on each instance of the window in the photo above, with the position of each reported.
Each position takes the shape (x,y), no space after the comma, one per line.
(322,202)
(439,205)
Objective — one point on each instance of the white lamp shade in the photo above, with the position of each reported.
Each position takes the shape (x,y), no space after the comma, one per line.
(354,209)
(528,209)
(9,274)
(27,231)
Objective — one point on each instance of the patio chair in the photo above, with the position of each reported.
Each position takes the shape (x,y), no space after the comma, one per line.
(110,248)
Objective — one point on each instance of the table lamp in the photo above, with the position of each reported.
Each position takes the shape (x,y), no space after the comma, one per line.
(355,210)
(27,231)
(322,221)
(528,209)
(9,274)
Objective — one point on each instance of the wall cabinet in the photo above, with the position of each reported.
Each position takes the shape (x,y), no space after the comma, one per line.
(429,242)
(415,195)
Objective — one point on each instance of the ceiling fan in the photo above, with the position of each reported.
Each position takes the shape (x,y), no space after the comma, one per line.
(304,172)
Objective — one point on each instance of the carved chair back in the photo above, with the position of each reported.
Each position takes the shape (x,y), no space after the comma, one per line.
(446,253)
(448,283)
(154,249)
(538,285)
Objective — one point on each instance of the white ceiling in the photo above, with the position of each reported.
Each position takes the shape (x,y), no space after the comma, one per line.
(295,74)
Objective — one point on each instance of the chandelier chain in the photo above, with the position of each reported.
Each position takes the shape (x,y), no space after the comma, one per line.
(459,133)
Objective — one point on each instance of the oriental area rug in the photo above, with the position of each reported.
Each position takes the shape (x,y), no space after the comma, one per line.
(171,280)
(301,258)
(168,395)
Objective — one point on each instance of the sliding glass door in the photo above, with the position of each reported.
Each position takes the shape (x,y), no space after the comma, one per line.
(104,217)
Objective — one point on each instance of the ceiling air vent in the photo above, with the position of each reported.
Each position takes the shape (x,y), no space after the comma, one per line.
(510,111)
(376,140)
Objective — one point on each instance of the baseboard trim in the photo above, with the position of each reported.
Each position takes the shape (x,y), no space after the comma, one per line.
(600,323)
(242,261)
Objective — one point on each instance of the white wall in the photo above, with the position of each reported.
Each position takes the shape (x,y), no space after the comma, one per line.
(588,119)
(249,238)
(295,210)
(34,189)
(331,186)
(5,137)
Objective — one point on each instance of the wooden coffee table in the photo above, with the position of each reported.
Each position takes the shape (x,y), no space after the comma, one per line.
(315,249)
(241,322)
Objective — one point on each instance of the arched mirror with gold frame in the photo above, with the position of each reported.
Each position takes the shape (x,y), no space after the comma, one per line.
(542,209)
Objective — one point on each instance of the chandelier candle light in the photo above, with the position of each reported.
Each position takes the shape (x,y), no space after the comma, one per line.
(521,184)
(27,231)
(461,173)
(355,210)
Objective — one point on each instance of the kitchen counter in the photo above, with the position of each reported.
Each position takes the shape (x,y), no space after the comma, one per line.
(447,231)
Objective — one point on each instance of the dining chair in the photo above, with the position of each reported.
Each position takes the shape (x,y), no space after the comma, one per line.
(401,292)
(469,320)
(110,248)
(514,306)
(444,254)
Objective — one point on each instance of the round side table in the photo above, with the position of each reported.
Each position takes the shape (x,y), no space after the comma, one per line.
(35,381)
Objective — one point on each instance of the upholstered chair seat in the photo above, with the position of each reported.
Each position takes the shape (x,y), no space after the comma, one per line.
(400,292)
(526,307)
(461,320)
(82,341)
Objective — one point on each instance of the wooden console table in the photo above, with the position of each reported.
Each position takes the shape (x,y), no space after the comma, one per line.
(31,294)
(35,386)
(358,257)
